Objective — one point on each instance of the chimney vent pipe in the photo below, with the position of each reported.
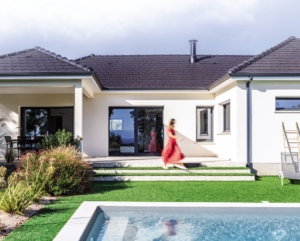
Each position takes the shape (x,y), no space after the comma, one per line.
(193,57)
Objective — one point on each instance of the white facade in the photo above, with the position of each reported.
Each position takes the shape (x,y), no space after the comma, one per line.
(91,120)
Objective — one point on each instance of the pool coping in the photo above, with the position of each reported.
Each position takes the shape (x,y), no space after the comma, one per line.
(76,225)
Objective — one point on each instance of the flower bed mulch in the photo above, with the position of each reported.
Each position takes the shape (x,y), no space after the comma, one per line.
(9,222)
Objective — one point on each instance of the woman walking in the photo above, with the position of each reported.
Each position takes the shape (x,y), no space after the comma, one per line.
(171,154)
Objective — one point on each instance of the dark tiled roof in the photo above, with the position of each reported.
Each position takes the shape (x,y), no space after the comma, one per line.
(38,60)
(160,71)
(283,58)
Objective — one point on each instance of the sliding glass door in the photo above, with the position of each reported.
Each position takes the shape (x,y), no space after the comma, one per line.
(135,131)
(40,121)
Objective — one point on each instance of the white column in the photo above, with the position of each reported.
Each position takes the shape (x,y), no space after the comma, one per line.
(78,112)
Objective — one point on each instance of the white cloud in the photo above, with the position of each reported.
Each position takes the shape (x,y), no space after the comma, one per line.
(76,28)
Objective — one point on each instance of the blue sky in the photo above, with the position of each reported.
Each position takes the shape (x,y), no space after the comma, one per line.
(77,28)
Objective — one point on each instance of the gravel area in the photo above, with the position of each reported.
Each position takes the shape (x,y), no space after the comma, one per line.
(12,221)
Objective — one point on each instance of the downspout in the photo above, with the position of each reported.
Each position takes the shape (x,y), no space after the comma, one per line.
(249,122)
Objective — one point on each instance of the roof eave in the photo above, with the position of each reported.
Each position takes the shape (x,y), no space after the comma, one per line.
(141,89)
(218,82)
(264,74)
(14,74)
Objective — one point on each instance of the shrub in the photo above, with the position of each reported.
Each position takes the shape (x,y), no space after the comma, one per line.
(71,174)
(2,176)
(22,190)
(61,138)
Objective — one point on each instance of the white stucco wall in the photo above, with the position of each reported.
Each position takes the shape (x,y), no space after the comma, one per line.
(232,145)
(267,139)
(180,106)
(10,105)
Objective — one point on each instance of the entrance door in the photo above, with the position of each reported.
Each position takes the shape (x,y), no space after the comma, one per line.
(135,131)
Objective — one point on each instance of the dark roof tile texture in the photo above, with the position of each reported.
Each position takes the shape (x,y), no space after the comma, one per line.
(160,71)
(283,58)
(37,60)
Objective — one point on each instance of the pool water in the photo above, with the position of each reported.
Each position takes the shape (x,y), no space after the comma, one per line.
(198,225)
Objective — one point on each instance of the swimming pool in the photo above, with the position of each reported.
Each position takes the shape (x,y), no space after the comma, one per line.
(192,221)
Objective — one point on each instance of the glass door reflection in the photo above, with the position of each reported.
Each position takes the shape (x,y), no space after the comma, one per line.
(121,130)
(150,130)
(135,131)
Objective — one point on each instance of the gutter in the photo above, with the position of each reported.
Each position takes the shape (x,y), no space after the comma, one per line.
(264,74)
(35,74)
(249,122)
(27,75)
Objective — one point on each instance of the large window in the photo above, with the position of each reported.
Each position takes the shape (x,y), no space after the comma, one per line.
(226,117)
(40,121)
(204,123)
(288,104)
(135,131)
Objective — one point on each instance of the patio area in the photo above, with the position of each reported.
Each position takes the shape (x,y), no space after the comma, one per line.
(155,161)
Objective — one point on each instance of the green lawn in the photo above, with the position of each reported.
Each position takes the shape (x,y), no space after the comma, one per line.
(46,224)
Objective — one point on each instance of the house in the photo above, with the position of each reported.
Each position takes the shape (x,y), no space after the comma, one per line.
(229,106)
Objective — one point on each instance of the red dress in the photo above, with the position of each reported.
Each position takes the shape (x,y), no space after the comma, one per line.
(154,146)
(171,153)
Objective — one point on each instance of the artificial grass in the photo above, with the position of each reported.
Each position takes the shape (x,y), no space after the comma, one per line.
(45,225)
(174,174)
(171,168)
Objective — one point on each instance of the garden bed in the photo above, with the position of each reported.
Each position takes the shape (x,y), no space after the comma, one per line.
(9,222)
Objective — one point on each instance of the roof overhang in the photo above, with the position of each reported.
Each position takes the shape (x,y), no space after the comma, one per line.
(90,83)
(264,74)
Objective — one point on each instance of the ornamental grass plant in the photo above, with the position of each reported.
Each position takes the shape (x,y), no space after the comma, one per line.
(71,174)
(21,190)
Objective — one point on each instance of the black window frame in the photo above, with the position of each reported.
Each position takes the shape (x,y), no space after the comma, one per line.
(22,110)
(212,126)
(136,108)
(224,117)
(286,98)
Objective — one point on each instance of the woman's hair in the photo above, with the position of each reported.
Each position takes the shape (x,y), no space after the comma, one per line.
(171,123)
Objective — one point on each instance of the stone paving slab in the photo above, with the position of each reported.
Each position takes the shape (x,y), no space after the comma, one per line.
(172,178)
(175,171)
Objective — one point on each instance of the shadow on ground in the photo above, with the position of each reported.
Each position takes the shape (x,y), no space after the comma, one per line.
(103,187)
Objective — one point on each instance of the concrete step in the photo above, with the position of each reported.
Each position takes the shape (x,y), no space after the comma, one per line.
(172,178)
(159,164)
(120,170)
(149,161)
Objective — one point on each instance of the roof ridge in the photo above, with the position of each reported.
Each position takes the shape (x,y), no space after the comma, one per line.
(261,55)
(16,53)
(65,59)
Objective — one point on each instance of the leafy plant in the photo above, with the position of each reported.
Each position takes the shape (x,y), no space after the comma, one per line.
(61,138)
(2,176)
(22,190)
(115,140)
(71,174)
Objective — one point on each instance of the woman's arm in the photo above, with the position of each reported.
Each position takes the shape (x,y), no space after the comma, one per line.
(174,137)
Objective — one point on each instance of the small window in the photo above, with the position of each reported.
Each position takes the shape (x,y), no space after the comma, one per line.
(288,104)
(204,124)
(226,117)
(116,125)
